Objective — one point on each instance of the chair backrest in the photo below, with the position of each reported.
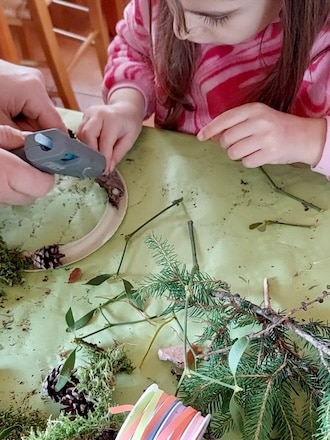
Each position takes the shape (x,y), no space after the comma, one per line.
(8,49)
(97,35)
(22,13)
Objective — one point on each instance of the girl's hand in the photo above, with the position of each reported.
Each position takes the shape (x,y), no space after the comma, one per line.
(20,183)
(259,135)
(112,129)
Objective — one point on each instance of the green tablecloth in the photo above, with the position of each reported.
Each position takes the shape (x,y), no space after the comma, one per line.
(222,198)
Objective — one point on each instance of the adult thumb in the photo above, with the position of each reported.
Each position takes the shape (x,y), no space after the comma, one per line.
(11,138)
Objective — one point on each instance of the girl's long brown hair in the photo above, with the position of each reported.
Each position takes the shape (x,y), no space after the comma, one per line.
(175,59)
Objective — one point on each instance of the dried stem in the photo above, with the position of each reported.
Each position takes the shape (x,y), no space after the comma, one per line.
(193,244)
(129,236)
(282,191)
(266,295)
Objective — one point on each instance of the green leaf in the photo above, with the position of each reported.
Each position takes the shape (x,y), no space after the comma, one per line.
(263,227)
(255,225)
(129,289)
(69,319)
(236,353)
(96,281)
(236,412)
(66,371)
(84,320)
(5,433)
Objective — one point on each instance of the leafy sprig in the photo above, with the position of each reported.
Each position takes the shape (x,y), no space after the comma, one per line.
(251,383)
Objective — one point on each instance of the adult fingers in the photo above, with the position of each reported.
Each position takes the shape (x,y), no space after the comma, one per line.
(29,181)
(11,138)
(22,178)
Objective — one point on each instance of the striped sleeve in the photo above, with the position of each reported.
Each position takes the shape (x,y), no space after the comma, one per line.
(129,62)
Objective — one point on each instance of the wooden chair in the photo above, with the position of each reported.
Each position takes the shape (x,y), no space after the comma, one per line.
(26,16)
(113,11)
(8,49)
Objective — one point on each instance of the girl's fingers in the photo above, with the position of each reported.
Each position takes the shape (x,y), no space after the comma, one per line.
(226,120)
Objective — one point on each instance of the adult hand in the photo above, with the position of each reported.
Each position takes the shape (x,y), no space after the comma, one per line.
(20,183)
(112,129)
(259,135)
(24,102)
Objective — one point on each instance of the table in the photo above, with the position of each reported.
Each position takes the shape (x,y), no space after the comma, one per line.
(222,198)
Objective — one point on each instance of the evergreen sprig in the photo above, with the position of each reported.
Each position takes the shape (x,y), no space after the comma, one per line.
(280,388)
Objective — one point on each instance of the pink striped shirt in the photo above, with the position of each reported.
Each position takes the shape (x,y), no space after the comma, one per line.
(221,75)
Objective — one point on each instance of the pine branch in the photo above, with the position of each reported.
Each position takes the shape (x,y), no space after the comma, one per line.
(323,432)
(276,320)
(272,371)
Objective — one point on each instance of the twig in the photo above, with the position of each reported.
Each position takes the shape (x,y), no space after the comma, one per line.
(189,295)
(266,295)
(276,320)
(324,361)
(282,191)
(193,244)
(261,226)
(129,236)
(117,324)
(154,338)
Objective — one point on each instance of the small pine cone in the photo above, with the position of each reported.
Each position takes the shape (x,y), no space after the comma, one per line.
(48,385)
(106,434)
(47,257)
(74,402)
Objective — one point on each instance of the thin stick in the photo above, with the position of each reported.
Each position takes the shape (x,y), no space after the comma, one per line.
(282,191)
(266,295)
(193,244)
(129,236)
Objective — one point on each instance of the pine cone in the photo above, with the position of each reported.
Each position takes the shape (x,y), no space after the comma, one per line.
(74,402)
(114,187)
(47,257)
(106,434)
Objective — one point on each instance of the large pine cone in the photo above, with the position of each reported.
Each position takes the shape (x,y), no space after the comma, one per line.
(74,402)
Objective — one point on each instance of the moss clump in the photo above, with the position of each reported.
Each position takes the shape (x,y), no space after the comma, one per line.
(97,379)
(17,423)
(12,264)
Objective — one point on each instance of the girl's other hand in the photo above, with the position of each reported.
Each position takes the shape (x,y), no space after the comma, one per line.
(112,129)
(20,183)
(259,135)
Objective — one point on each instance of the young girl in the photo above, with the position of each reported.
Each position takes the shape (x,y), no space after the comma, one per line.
(253,75)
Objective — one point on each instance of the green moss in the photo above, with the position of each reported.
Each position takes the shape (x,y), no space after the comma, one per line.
(12,264)
(97,380)
(21,421)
